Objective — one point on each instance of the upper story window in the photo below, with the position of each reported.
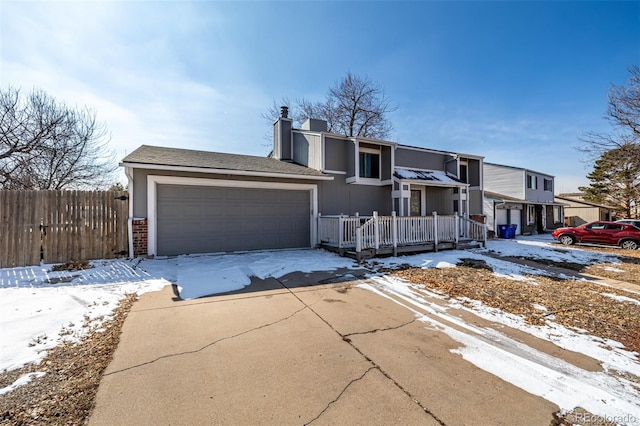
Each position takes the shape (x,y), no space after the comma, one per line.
(369,163)
(548,185)
(532,182)
(464,174)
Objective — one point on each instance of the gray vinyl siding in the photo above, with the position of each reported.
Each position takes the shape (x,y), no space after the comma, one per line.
(307,150)
(474,172)
(411,158)
(475,202)
(335,154)
(301,149)
(439,200)
(351,159)
(338,197)
(451,167)
(504,180)
(386,166)
(538,194)
(487,208)
(282,135)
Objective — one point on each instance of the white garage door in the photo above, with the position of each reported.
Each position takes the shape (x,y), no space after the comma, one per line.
(206,219)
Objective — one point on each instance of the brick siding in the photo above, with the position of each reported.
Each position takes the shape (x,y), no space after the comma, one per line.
(140,235)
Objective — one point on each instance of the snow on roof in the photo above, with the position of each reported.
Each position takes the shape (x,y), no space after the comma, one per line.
(426,175)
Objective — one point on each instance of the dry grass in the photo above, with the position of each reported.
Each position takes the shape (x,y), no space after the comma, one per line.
(575,304)
(65,394)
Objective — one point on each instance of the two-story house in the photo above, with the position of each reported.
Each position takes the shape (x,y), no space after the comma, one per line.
(375,175)
(185,201)
(521,197)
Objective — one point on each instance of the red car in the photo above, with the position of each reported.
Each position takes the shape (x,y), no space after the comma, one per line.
(620,234)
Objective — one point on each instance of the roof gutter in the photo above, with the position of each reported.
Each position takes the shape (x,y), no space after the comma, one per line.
(223,171)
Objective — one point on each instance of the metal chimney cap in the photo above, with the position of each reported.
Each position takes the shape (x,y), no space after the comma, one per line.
(284,111)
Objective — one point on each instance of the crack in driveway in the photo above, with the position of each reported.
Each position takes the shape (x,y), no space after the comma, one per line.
(341,393)
(207,345)
(374,365)
(395,327)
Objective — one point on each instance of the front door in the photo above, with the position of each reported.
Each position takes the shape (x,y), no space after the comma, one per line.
(416,203)
(539,219)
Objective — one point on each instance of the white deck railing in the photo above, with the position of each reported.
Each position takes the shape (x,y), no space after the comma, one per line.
(392,231)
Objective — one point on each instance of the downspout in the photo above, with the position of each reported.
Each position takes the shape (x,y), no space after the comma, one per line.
(495,216)
(129,173)
(467,214)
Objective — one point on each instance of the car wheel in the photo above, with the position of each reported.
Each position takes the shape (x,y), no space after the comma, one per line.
(629,244)
(567,240)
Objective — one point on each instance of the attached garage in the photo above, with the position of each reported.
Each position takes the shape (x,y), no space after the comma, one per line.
(510,215)
(186,202)
(194,215)
(208,219)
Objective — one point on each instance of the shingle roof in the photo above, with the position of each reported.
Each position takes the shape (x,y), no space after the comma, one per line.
(503,197)
(177,157)
(577,198)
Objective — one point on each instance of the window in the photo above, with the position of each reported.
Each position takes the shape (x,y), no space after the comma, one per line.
(463,173)
(596,227)
(531,216)
(369,165)
(557,214)
(548,185)
(532,182)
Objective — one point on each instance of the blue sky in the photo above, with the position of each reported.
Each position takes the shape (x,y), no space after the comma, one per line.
(516,82)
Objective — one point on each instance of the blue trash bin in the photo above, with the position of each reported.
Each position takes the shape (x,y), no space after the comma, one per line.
(507,231)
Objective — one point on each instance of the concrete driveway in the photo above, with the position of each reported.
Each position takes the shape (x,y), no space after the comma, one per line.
(324,354)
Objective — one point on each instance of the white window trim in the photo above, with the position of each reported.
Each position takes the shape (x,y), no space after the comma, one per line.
(377,152)
(154,180)
(423,198)
(531,208)
(560,218)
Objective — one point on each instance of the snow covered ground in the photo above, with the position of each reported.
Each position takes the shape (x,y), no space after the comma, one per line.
(39,309)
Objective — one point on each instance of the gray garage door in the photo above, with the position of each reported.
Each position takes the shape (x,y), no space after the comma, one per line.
(196,219)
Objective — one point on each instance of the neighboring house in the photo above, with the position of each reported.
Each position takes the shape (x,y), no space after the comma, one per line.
(185,201)
(578,211)
(521,197)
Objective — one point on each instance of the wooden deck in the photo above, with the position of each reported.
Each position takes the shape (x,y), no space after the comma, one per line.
(405,249)
(366,237)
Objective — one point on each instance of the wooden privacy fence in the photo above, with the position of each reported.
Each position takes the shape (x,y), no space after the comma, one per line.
(60,226)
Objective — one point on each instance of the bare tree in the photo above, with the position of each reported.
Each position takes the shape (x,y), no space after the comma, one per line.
(354,106)
(623,113)
(44,144)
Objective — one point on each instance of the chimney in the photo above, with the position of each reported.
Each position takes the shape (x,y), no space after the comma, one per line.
(283,136)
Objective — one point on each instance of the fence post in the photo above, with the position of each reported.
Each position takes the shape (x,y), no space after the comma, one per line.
(376,232)
(340,231)
(484,236)
(435,231)
(394,233)
(456,227)
(358,242)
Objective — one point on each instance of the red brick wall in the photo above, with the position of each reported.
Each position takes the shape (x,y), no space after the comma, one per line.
(140,235)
